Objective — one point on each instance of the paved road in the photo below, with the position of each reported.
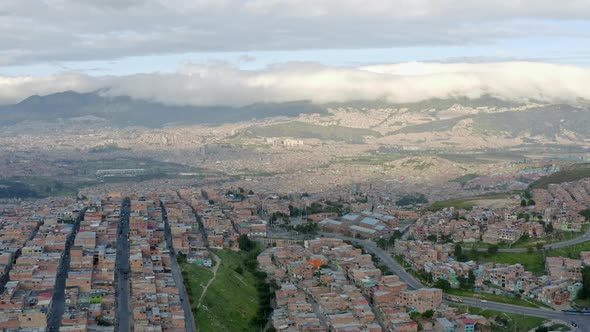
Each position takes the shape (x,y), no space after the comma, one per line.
(578,240)
(58,300)
(583,322)
(191,326)
(122,270)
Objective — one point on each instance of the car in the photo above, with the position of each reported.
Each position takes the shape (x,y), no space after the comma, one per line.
(484,301)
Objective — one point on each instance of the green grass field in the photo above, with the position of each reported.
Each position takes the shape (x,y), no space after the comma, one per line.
(524,243)
(463,204)
(493,297)
(231,302)
(573,173)
(570,251)
(465,178)
(559,327)
(533,262)
(195,278)
(83,174)
(372,159)
(297,129)
(506,321)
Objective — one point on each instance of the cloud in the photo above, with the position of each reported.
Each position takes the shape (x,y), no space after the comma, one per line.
(222,84)
(71,30)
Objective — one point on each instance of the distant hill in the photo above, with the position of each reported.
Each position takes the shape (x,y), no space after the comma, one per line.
(501,117)
(549,121)
(572,173)
(297,129)
(125,111)
(431,104)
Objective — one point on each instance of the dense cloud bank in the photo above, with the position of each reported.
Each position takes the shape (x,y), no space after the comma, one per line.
(76,30)
(221,84)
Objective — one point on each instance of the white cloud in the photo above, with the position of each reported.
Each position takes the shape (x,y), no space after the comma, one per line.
(219,83)
(35,31)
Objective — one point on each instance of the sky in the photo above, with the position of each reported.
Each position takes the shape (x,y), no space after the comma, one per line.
(50,45)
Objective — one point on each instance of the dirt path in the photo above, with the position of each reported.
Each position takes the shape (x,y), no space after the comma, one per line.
(217,263)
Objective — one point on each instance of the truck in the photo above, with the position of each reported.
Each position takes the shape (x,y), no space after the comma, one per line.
(454,298)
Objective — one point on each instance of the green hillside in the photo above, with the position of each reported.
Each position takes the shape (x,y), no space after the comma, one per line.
(548,121)
(572,173)
(297,129)
(433,103)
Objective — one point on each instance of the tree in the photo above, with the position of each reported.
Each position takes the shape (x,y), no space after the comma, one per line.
(442,284)
(432,238)
(530,249)
(542,328)
(458,250)
(523,203)
(382,243)
(462,258)
(493,249)
(412,200)
(471,278)
(527,194)
(585,291)
(391,240)
(294,211)
(549,227)
(428,314)
(524,216)
(463,283)
(245,243)
(532,202)
(539,245)
(586,213)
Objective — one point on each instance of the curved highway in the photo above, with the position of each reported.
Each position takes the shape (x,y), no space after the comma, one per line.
(578,240)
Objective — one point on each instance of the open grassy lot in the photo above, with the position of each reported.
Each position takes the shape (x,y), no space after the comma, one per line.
(467,203)
(463,204)
(570,251)
(195,278)
(79,174)
(231,303)
(297,129)
(503,321)
(371,159)
(533,262)
(572,173)
(554,237)
(493,297)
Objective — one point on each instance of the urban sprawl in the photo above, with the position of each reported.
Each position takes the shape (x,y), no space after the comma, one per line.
(109,260)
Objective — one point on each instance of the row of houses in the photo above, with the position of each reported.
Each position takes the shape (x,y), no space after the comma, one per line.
(154,299)
(90,284)
(330,285)
(559,286)
(33,240)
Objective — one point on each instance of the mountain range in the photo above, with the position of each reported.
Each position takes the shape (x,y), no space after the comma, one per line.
(487,115)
